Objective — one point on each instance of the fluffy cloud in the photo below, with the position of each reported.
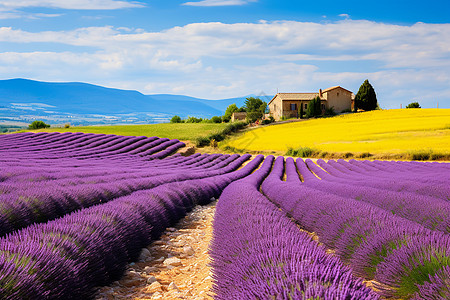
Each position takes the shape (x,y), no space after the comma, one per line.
(219,2)
(215,60)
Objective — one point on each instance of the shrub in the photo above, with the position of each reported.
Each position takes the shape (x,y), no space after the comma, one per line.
(175,119)
(439,156)
(301,152)
(365,155)
(216,119)
(219,136)
(272,119)
(253,116)
(413,105)
(329,112)
(213,143)
(38,125)
(193,120)
(420,155)
(67,125)
(348,154)
(201,141)
(323,154)
(265,122)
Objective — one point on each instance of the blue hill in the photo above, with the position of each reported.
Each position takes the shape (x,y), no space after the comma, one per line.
(23,100)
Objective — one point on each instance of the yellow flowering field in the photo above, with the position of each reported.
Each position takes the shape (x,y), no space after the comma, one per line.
(377,132)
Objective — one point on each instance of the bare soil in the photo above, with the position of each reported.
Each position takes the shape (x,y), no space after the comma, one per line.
(176,266)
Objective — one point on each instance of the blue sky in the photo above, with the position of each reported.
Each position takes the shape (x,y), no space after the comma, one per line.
(227,48)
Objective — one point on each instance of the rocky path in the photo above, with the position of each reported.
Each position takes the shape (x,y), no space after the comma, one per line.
(174,267)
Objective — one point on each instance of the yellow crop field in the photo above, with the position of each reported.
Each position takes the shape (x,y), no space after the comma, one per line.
(377,132)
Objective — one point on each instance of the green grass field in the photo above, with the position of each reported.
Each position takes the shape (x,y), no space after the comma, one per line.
(181,131)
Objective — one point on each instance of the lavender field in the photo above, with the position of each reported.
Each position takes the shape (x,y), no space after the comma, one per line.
(88,203)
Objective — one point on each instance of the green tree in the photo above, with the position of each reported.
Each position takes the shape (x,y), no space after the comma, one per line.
(193,120)
(413,105)
(314,108)
(366,97)
(216,119)
(175,119)
(38,125)
(255,108)
(232,108)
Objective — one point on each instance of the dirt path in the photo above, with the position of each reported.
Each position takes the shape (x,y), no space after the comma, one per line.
(174,267)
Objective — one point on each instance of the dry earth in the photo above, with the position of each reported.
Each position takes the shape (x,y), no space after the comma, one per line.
(174,267)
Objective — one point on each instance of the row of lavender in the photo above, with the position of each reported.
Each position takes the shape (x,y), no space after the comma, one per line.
(259,253)
(398,238)
(387,221)
(85,146)
(73,183)
(126,201)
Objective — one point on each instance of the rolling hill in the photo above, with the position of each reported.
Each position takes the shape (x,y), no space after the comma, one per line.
(23,100)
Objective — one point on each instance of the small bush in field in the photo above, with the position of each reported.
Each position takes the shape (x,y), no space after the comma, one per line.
(301,152)
(413,105)
(175,119)
(38,125)
(213,143)
(216,119)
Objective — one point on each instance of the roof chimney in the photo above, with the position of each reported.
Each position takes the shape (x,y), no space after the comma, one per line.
(320,93)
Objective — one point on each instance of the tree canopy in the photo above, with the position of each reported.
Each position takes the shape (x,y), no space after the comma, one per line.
(176,119)
(413,105)
(38,125)
(255,108)
(232,108)
(366,98)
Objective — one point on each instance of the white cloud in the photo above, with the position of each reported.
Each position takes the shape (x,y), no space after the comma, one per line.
(219,2)
(216,60)
(70,4)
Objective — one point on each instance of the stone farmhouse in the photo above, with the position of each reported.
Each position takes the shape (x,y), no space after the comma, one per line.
(288,104)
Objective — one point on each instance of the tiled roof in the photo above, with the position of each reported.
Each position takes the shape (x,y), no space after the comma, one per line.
(296,96)
(334,87)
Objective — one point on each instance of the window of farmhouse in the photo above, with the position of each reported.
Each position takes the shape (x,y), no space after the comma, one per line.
(293,106)
(306,106)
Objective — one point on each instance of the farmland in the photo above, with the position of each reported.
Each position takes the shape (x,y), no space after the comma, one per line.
(383,134)
(90,204)
(183,132)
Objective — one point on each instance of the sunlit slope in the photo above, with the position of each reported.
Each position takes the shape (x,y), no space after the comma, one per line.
(181,131)
(387,131)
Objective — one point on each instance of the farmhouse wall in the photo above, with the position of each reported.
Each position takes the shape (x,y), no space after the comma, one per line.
(338,98)
(275,107)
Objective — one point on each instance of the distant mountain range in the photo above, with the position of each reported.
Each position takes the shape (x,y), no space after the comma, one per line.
(23,101)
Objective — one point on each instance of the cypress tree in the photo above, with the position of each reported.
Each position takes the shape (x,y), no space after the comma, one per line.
(314,108)
(366,98)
